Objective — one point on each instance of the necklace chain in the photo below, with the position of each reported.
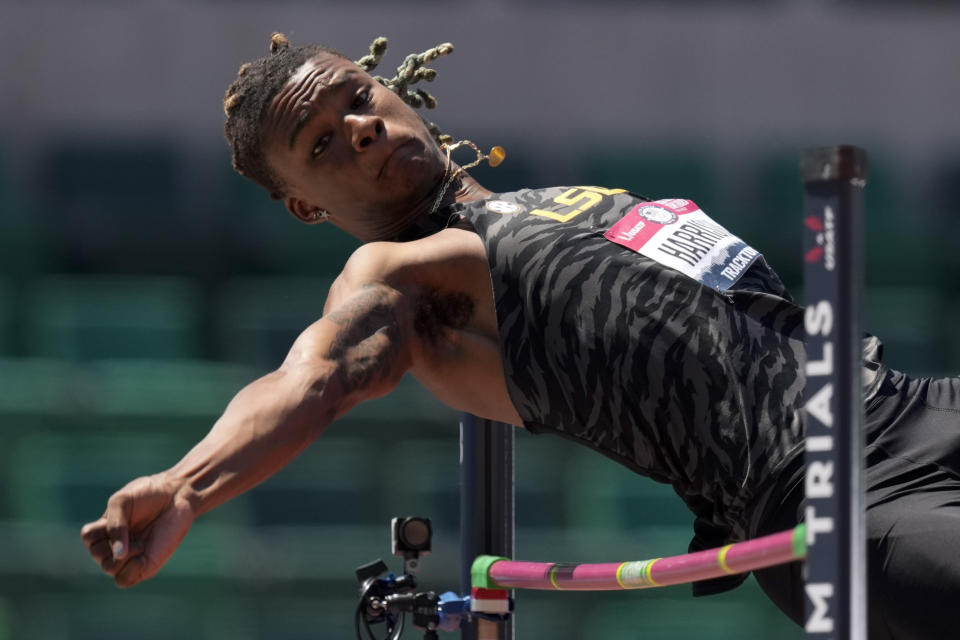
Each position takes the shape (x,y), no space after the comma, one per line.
(449,177)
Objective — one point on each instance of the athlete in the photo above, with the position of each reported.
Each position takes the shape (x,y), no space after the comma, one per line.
(639,328)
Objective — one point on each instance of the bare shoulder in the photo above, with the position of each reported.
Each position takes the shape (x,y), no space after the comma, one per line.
(437,291)
(450,259)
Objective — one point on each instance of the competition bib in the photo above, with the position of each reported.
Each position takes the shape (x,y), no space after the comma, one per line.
(677,234)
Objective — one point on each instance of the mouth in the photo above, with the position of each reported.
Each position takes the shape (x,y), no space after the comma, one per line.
(387,160)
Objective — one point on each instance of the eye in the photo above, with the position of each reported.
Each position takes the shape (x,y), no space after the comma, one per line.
(322,143)
(360,99)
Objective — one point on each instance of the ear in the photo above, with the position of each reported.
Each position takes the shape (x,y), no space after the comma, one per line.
(302,211)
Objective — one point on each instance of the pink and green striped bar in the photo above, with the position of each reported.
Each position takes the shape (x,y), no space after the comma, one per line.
(490,572)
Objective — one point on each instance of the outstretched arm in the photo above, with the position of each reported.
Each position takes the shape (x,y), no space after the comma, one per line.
(359,350)
(356,352)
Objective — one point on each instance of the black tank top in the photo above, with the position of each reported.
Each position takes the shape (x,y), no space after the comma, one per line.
(662,371)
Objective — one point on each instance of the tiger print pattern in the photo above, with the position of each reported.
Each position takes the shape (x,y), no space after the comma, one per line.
(602,345)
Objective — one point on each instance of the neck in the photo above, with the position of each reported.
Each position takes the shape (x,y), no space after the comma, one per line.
(470,190)
(419,219)
(457,186)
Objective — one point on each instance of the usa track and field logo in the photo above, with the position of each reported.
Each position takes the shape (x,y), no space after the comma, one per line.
(825,238)
(660,215)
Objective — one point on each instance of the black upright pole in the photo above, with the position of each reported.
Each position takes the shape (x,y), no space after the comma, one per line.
(834,178)
(486,501)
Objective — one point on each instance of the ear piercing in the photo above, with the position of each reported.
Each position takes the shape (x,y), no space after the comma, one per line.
(319,214)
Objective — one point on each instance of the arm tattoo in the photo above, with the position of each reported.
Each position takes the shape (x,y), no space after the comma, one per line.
(368,341)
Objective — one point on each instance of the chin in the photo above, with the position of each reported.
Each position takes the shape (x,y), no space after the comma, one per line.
(418,180)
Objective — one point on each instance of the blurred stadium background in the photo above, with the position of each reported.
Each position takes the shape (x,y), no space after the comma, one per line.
(142,283)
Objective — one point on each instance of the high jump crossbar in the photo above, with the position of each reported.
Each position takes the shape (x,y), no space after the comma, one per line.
(833,536)
(490,572)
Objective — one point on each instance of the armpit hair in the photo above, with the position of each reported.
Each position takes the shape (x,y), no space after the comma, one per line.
(436,312)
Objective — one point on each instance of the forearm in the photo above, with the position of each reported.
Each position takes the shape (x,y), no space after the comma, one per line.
(352,354)
(358,351)
(263,428)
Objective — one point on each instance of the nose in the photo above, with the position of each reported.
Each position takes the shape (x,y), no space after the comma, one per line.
(364,129)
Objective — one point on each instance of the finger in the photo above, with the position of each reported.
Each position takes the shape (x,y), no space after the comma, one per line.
(93,531)
(117,518)
(134,571)
(112,565)
(100,550)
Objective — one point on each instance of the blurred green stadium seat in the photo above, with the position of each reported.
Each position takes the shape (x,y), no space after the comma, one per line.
(76,433)
(60,477)
(341,479)
(85,430)
(544,615)
(772,203)
(259,318)
(8,314)
(89,317)
(652,173)
(260,236)
(166,389)
(900,235)
(23,245)
(670,613)
(108,395)
(604,495)
(946,192)
(296,618)
(32,387)
(118,205)
(540,462)
(336,481)
(945,276)
(145,616)
(6,620)
(897,237)
(948,329)
(908,320)
(422,476)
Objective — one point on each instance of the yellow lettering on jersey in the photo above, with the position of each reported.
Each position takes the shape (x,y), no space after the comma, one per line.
(580,198)
(602,190)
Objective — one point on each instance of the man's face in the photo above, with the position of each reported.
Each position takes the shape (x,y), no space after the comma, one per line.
(342,142)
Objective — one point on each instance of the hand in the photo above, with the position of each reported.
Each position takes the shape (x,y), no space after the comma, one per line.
(144,523)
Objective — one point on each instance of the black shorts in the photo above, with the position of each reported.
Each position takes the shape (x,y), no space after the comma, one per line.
(913,514)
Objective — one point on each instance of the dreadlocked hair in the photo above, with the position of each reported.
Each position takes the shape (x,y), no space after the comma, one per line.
(246,102)
(409,73)
(249,95)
